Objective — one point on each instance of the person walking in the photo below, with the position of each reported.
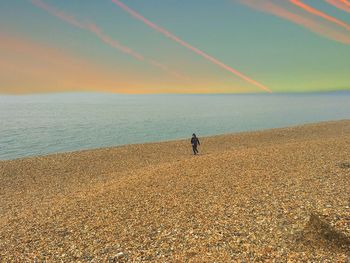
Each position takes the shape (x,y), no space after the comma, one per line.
(195,142)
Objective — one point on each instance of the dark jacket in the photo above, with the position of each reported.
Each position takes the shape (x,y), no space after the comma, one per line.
(195,141)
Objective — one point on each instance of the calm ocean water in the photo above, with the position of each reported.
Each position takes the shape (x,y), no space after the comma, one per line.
(42,124)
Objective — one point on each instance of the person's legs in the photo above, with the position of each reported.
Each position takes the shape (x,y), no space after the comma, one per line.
(194,148)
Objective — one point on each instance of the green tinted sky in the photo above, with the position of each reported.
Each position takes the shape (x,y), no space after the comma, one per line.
(282,55)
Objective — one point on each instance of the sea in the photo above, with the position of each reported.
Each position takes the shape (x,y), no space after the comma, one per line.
(34,125)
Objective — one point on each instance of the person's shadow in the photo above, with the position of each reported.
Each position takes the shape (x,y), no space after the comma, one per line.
(344,165)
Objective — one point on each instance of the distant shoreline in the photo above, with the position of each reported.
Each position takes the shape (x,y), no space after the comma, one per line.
(183,140)
(38,125)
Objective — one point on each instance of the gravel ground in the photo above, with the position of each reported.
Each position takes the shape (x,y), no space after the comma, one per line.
(277,195)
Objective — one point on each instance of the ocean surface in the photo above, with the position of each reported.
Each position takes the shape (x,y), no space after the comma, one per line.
(34,125)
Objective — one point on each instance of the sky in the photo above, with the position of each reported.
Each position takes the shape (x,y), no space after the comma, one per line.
(174,46)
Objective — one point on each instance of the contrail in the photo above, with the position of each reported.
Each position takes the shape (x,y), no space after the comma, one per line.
(103,37)
(54,69)
(316,12)
(321,29)
(165,68)
(346,2)
(199,52)
(90,27)
(340,4)
(113,43)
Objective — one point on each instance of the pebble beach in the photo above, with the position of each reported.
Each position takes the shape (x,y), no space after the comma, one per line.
(279,195)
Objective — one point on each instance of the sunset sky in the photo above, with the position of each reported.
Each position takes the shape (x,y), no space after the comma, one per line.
(174,46)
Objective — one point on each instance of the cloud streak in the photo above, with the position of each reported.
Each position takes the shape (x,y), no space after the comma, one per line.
(309,23)
(340,4)
(183,43)
(318,13)
(30,67)
(92,28)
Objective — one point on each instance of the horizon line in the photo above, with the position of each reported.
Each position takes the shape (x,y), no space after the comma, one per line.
(172,93)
